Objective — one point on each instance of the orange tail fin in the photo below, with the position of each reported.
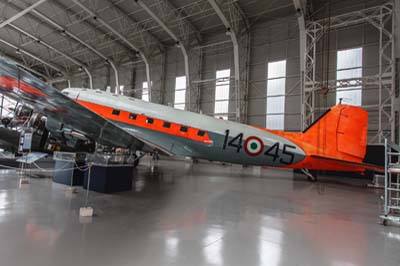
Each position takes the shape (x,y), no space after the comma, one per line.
(341,133)
(337,141)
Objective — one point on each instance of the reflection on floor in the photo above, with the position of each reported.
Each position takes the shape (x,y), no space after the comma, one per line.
(201,214)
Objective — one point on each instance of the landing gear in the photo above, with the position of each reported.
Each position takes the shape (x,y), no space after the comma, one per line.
(312,177)
(136,160)
(155,156)
(133,160)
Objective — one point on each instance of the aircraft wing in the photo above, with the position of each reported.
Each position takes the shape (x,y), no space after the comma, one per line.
(25,87)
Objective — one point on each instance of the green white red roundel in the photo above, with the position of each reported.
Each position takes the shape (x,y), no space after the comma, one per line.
(253,146)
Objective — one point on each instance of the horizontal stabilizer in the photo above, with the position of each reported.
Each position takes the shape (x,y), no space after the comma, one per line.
(331,164)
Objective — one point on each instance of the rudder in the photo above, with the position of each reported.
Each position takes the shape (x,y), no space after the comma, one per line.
(341,133)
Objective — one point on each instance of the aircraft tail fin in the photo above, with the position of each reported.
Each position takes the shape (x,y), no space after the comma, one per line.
(337,141)
(341,133)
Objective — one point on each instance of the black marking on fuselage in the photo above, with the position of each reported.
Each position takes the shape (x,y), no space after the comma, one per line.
(215,152)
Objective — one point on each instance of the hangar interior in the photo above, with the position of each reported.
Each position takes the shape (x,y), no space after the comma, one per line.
(265,32)
(277,64)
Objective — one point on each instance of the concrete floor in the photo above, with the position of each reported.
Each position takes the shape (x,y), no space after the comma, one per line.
(200,215)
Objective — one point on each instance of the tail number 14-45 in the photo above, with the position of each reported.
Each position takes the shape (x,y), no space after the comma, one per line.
(254,146)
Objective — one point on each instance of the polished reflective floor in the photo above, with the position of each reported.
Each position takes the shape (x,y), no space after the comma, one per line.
(201,214)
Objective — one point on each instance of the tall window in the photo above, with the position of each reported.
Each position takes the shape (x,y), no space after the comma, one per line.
(349,66)
(276,95)
(145,92)
(221,108)
(180,92)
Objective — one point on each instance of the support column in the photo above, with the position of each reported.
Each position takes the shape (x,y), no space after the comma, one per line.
(232,31)
(181,41)
(300,10)
(396,34)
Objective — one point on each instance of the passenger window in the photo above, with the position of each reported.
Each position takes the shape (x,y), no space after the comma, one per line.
(184,129)
(201,133)
(149,120)
(132,116)
(115,112)
(166,124)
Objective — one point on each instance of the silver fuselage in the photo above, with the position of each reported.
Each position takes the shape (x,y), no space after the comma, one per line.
(219,149)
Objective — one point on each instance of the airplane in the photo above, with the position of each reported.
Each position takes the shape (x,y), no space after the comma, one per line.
(335,142)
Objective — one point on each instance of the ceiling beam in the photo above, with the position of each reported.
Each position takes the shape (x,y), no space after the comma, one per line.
(68,34)
(243,16)
(178,40)
(73,60)
(232,32)
(158,20)
(181,15)
(21,13)
(37,58)
(220,14)
(113,15)
(121,37)
(25,66)
(136,25)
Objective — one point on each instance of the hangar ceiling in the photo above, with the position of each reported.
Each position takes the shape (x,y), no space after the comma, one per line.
(56,38)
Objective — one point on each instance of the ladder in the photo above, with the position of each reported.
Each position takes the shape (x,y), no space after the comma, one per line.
(392,184)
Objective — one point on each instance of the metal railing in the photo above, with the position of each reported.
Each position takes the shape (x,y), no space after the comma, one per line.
(392,183)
